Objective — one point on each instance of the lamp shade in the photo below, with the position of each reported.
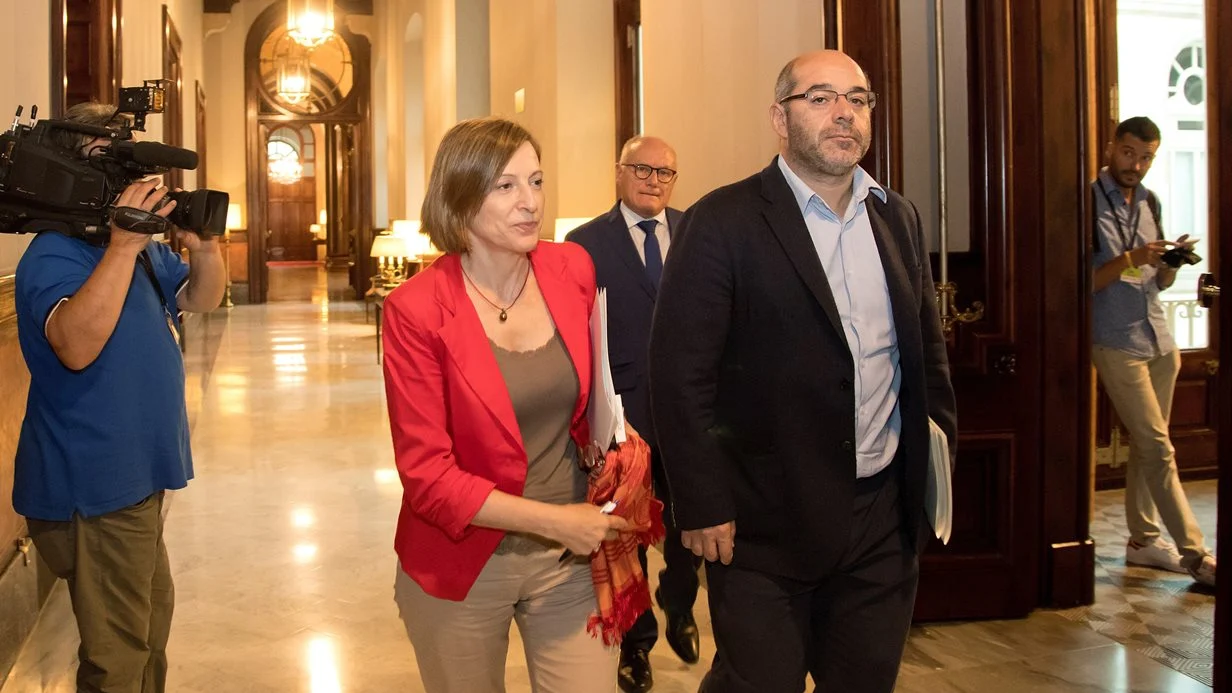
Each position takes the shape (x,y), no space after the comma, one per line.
(421,245)
(233,217)
(565,225)
(386,245)
(404,227)
(418,242)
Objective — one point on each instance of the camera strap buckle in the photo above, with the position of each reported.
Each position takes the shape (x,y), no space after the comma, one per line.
(139,221)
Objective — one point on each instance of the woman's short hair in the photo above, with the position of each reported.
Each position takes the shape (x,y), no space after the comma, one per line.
(470,159)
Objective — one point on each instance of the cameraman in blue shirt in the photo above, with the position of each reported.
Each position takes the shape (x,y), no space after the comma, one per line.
(106,427)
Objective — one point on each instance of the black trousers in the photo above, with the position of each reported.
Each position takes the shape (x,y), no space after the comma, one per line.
(678,581)
(847,629)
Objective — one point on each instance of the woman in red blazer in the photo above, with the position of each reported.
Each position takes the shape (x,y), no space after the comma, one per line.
(487,374)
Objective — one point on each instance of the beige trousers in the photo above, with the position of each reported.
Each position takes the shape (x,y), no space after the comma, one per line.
(461,647)
(1141,392)
(119,581)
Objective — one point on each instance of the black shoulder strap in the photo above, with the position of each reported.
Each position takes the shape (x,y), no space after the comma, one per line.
(144,260)
(1152,201)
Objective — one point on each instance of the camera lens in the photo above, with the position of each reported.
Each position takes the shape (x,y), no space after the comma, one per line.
(203,211)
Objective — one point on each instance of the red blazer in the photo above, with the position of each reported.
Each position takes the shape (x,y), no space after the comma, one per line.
(454,431)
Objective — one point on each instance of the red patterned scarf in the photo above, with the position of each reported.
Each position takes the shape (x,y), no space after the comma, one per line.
(620,586)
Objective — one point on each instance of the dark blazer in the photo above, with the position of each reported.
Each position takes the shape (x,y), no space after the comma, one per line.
(751,377)
(630,307)
(455,434)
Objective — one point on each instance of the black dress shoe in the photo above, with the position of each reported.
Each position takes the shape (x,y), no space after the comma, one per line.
(681,631)
(634,673)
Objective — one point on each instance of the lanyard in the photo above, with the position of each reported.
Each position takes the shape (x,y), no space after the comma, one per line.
(1135,216)
(144,260)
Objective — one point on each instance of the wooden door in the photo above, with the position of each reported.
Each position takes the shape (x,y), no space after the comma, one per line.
(991,566)
(1165,76)
(292,209)
(1021,484)
(1219,101)
(86,61)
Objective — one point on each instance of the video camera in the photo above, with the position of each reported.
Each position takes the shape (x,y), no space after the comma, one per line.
(46,186)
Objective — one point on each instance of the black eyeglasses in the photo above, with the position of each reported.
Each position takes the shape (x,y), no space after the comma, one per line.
(860,99)
(642,171)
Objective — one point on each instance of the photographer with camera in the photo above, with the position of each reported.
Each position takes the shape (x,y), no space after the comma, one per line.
(1134,353)
(106,426)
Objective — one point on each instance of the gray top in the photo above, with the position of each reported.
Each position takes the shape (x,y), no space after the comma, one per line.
(543,386)
(1127,315)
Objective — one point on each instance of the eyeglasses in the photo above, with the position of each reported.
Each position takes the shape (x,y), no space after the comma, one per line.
(591,459)
(860,99)
(642,171)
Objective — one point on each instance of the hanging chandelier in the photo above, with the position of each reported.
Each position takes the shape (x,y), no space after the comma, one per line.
(310,22)
(286,170)
(294,79)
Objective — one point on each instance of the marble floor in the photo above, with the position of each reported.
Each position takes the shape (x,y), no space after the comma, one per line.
(281,547)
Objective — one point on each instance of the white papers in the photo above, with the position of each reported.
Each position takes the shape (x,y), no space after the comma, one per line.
(939,495)
(604,411)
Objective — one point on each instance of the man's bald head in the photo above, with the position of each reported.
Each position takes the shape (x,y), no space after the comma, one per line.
(789,80)
(650,142)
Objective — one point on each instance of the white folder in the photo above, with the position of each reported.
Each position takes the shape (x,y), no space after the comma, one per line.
(939,494)
(604,411)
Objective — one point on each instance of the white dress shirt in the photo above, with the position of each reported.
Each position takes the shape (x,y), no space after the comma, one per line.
(639,236)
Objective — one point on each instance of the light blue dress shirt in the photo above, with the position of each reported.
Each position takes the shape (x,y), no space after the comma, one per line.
(1126,316)
(849,256)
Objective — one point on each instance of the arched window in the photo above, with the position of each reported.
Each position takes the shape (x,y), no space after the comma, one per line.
(1187,77)
(282,152)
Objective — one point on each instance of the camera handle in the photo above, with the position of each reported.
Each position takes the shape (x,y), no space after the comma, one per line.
(139,221)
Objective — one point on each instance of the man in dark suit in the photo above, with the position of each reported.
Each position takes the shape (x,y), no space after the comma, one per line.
(628,245)
(795,359)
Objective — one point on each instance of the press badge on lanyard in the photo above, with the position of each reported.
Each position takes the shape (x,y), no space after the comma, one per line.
(144,259)
(1133,275)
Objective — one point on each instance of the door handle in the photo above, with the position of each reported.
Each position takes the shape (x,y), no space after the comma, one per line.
(1208,290)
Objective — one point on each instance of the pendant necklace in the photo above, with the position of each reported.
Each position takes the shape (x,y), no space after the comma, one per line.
(504,312)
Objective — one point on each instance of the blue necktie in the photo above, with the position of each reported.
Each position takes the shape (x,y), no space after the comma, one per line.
(654,258)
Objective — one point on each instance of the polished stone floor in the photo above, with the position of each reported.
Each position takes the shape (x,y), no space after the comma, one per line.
(1164,615)
(281,547)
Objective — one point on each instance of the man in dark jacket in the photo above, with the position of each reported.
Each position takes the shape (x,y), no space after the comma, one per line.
(629,244)
(795,360)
